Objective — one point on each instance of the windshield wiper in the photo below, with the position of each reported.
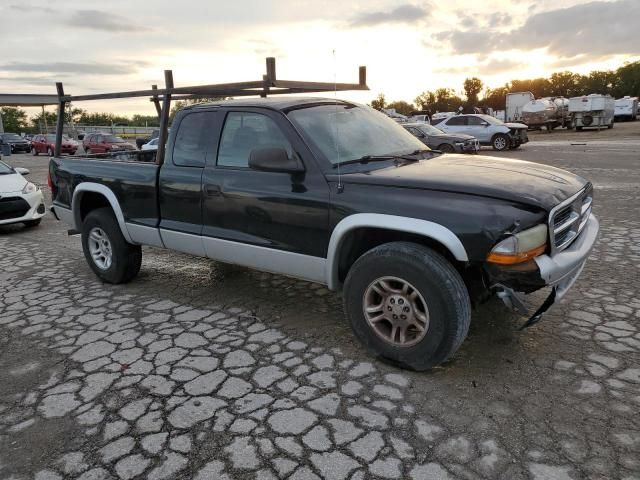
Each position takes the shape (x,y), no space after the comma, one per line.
(410,157)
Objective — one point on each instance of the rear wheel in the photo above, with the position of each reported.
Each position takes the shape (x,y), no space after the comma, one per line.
(109,255)
(49,152)
(407,305)
(500,142)
(34,152)
(446,148)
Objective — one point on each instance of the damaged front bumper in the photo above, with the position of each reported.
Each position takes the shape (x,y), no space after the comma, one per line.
(559,272)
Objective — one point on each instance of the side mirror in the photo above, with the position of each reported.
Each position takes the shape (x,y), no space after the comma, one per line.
(274,159)
(22,171)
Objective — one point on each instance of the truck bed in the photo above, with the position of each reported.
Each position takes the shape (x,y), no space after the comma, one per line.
(130,176)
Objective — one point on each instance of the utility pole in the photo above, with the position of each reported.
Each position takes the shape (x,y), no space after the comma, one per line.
(1,125)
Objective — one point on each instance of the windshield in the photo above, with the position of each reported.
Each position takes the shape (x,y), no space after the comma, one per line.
(349,132)
(5,169)
(11,137)
(112,139)
(430,130)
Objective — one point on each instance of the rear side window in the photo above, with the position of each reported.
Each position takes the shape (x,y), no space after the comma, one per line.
(194,140)
(244,131)
(476,121)
(456,121)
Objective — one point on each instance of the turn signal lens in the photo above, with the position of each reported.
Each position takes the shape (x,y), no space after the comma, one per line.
(520,247)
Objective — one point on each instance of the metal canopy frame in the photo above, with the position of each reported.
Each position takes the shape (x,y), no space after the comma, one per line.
(162,97)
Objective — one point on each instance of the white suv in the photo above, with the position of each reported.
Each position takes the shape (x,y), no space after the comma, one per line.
(488,130)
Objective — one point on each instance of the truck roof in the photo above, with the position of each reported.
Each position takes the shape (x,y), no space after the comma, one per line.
(275,103)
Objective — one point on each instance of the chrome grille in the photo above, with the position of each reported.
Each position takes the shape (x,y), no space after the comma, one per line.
(567,220)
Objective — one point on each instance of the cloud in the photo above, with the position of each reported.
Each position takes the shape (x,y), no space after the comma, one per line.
(597,29)
(402,14)
(496,65)
(498,19)
(38,81)
(73,67)
(104,21)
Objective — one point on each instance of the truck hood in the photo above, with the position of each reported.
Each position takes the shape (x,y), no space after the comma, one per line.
(512,180)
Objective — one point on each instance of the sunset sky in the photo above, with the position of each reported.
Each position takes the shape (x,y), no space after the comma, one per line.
(407,46)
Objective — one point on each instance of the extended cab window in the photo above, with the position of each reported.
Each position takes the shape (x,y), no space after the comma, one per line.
(456,121)
(194,140)
(244,131)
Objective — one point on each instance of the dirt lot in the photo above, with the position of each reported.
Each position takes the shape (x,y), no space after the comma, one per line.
(191,371)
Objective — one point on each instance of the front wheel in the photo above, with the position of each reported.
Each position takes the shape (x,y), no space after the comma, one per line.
(407,304)
(109,255)
(446,148)
(500,142)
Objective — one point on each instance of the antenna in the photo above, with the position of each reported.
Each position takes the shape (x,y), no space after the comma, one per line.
(335,137)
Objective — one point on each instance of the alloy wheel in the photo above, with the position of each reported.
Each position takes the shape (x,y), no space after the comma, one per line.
(100,248)
(396,311)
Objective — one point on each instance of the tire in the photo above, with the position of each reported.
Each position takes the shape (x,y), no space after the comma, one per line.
(49,152)
(610,126)
(32,223)
(87,151)
(439,287)
(515,147)
(446,148)
(125,258)
(500,142)
(34,152)
(578,129)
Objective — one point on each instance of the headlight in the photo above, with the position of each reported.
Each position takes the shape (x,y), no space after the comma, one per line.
(520,247)
(30,188)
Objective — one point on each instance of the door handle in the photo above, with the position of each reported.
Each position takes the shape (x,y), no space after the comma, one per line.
(212,190)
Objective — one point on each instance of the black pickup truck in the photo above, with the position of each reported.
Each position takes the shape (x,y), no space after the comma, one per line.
(337,193)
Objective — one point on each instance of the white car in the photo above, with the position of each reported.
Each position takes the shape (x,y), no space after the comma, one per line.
(151,144)
(20,201)
(487,129)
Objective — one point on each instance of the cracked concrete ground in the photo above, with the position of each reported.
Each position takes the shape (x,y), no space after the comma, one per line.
(198,371)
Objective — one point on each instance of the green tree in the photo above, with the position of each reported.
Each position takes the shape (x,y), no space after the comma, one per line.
(472,88)
(379,102)
(564,84)
(425,100)
(180,104)
(402,107)
(540,87)
(598,81)
(14,120)
(44,120)
(495,97)
(144,120)
(628,80)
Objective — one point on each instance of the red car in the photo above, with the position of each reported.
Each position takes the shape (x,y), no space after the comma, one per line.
(103,143)
(47,144)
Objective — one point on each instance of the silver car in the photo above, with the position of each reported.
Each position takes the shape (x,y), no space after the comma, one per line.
(488,130)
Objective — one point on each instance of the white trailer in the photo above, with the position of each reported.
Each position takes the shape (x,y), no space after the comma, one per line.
(593,110)
(514,103)
(626,108)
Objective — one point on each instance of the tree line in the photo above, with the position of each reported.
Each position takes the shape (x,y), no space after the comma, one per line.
(617,83)
(15,120)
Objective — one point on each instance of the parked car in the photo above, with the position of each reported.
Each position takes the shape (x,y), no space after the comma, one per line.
(140,141)
(436,139)
(20,200)
(438,117)
(104,143)
(411,236)
(16,142)
(151,145)
(488,130)
(47,144)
